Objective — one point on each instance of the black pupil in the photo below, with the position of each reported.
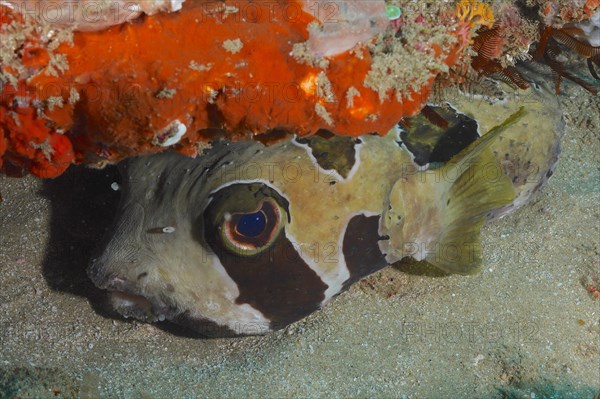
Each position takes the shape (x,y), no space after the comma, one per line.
(252,224)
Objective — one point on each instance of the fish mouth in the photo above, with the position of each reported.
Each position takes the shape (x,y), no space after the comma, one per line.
(127,300)
(132,305)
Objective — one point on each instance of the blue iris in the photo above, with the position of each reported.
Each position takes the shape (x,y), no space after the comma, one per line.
(251,224)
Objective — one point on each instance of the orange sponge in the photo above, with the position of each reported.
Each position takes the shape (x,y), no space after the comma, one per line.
(226,69)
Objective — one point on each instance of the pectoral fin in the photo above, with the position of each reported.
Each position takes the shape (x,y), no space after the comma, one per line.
(479,187)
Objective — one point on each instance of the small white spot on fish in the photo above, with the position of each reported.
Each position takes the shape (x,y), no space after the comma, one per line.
(168,229)
(115,186)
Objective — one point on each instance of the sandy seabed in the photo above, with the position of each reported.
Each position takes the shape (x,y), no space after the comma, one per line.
(526,327)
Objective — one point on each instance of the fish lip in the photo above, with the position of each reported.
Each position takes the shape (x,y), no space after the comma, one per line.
(126,297)
(127,300)
(130,301)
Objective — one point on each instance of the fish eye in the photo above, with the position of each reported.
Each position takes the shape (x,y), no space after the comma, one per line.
(244,219)
(251,224)
(249,233)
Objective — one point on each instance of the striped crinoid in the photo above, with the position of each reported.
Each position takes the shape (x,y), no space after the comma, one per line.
(549,50)
(517,35)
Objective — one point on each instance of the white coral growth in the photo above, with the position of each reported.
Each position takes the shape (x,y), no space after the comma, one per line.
(89,15)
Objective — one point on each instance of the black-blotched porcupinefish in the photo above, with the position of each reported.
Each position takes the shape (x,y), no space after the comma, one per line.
(249,238)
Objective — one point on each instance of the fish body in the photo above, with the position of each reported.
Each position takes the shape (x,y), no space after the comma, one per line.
(324,215)
(248,238)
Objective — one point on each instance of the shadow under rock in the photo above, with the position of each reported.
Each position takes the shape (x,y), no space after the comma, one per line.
(419,268)
(83,206)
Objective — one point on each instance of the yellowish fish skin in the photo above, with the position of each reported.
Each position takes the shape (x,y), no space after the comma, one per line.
(337,211)
(527,151)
